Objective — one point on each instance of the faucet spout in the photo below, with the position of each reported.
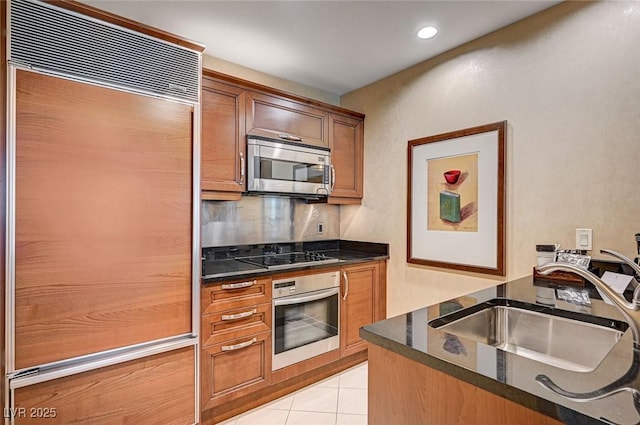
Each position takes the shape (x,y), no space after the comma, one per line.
(630,310)
(634,267)
(627,260)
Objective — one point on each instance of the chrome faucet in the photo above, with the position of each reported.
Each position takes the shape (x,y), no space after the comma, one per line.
(631,313)
(630,310)
(628,261)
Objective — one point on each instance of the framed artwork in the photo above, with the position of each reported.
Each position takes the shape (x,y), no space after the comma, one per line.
(455,202)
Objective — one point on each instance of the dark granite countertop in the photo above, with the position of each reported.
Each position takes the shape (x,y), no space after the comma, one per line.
(513,376)
(221,263)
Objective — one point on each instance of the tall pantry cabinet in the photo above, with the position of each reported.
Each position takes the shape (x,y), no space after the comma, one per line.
(102,252)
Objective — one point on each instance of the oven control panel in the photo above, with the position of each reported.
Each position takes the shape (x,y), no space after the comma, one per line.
(304,284)
(283,289)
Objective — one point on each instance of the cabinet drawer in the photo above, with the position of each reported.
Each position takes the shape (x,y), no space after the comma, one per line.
(232,324)
(235,368)
(281,116)
(235,294)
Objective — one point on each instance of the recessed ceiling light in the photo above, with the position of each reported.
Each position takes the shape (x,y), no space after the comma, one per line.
(427,32)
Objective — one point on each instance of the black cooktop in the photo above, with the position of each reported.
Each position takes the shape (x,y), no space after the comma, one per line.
(287,260)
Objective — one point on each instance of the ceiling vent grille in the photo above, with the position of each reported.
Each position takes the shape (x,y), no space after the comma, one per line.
(47,38)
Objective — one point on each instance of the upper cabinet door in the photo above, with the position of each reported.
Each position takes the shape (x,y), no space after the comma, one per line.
(346,140)
(223,137)
(280,117)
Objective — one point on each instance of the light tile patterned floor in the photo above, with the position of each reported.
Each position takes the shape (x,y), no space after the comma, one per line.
(338,400)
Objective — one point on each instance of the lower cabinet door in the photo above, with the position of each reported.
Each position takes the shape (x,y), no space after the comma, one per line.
(359,304)
(158,389)
(235,368)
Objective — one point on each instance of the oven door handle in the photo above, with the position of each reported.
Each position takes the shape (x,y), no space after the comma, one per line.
(313,297)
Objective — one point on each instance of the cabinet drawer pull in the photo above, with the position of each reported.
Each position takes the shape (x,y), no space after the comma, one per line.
(239,315)
(239,285)
(239,346)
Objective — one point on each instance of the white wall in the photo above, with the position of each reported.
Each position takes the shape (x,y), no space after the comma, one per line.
(568,82)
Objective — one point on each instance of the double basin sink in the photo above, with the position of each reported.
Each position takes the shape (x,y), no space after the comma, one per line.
(568,340)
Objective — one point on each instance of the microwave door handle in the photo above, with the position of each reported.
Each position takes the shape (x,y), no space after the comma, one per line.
(333,177)
(304,299)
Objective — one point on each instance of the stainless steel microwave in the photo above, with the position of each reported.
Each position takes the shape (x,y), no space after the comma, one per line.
(274,166)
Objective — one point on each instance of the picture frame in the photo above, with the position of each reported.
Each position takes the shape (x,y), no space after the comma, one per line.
(456,200)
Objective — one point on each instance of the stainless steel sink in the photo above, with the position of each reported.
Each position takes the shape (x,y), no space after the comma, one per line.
(568,340)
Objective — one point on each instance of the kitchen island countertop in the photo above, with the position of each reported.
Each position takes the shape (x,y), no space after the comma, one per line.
(512,376)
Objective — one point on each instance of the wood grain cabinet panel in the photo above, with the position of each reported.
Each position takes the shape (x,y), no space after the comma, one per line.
(236,340)
(239,377)
(231,324)
(223,138)
(359,304)
(278,116)
(234,294)
(346,140)
(159,389)
(403,391)
(103,219)
(235,368)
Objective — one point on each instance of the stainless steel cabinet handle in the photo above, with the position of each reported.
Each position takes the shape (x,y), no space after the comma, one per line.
(239,346)
(241,168)
(289,137)
(333,177)
(239,315)
(305,299)
(346,286)
(239,285)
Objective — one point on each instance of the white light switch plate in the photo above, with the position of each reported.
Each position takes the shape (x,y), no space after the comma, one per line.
(584,239)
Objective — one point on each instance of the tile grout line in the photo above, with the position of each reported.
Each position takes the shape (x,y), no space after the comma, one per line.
(288,413)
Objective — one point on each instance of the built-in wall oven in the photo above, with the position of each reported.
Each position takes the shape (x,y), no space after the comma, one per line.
(306,317)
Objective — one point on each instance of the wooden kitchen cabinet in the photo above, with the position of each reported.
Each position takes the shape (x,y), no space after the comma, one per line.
(236,340)
(346,141)
(277,116)
(235,368)
(405,391)
(233,108)
(223,140)
(232,294)
(231,324)
(239,377)
(360,304)
(158,389)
